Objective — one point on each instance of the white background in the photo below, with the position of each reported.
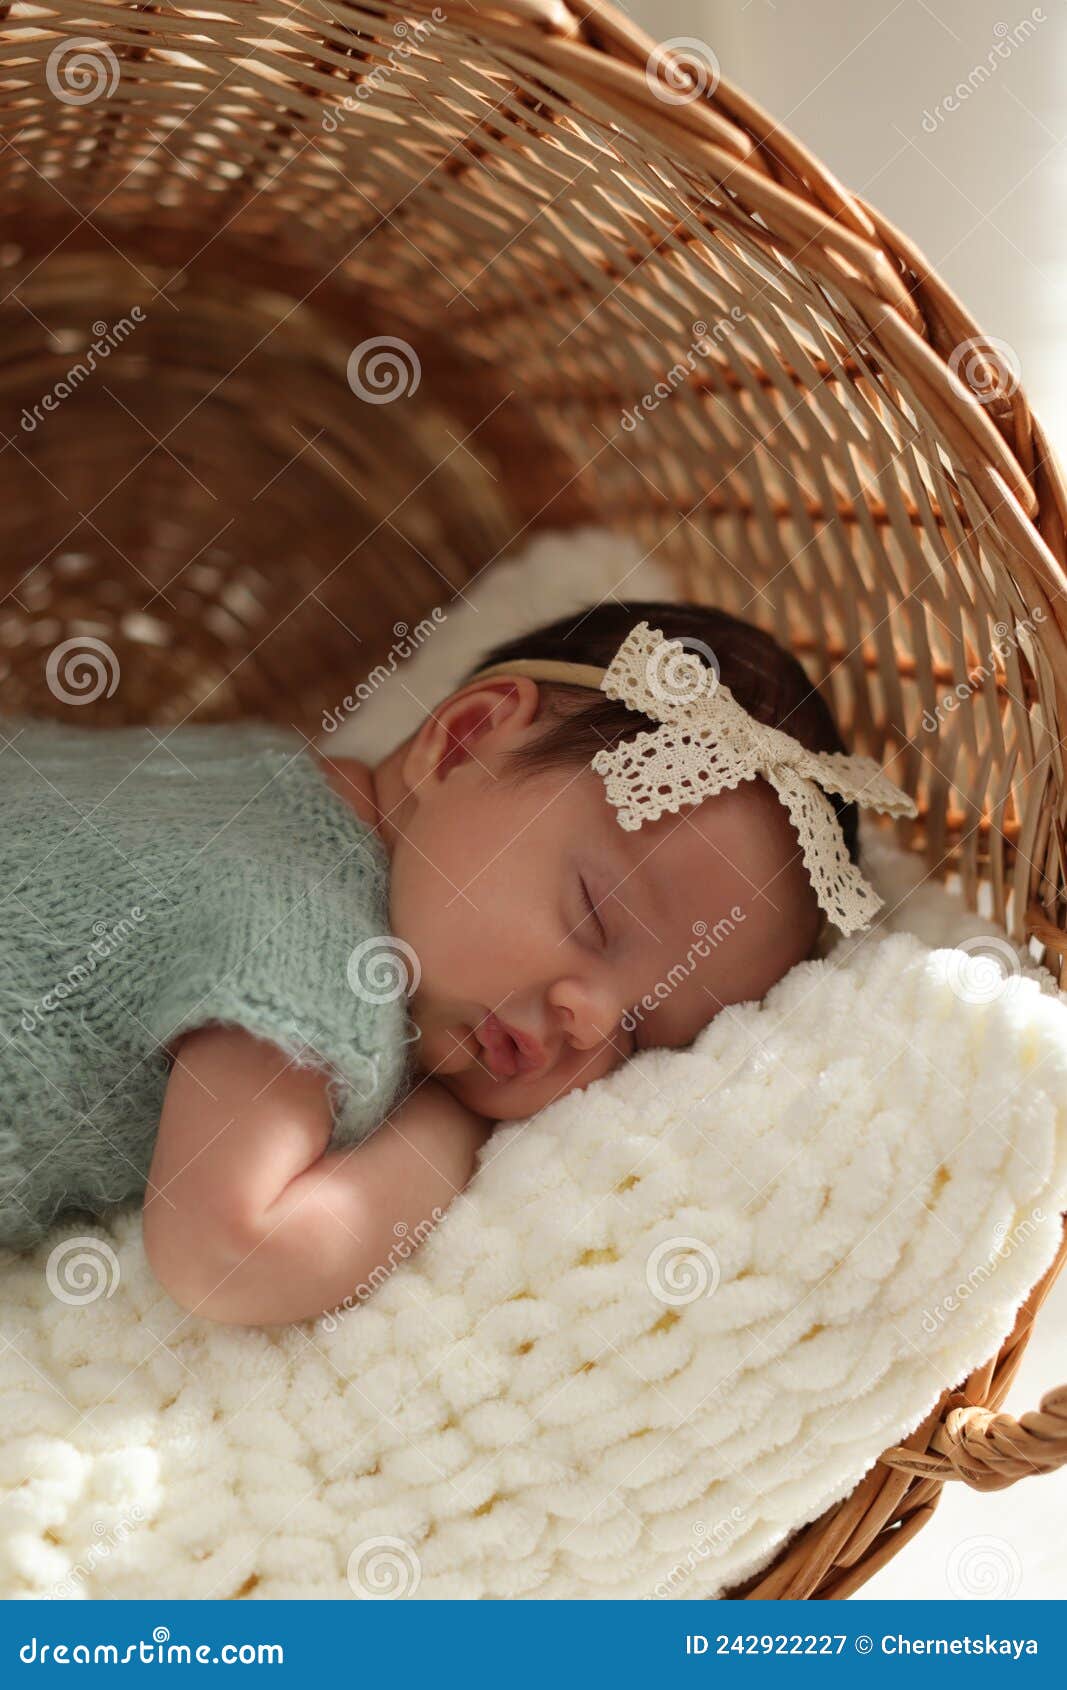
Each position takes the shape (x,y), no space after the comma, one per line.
(984,196)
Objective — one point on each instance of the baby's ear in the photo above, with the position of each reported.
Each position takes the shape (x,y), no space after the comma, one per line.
(471,726)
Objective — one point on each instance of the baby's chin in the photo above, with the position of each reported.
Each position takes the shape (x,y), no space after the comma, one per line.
(502,1100)
(488,1097)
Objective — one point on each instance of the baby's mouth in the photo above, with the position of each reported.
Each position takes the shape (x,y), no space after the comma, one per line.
(507,1052)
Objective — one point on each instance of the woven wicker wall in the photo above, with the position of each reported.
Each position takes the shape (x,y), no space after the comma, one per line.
(556,246)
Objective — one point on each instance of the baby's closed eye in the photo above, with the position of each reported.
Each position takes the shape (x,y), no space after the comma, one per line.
(592,912)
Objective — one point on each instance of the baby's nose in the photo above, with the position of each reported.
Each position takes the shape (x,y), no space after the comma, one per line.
(586,1016)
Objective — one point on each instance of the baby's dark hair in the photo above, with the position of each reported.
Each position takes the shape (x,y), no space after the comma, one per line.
(764,678)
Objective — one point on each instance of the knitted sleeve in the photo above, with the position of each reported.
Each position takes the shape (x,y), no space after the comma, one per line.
(291,943)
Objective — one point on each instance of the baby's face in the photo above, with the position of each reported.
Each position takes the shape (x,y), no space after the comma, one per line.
(553,944)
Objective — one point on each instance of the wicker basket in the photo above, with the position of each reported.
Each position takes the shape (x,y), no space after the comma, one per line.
(613,290)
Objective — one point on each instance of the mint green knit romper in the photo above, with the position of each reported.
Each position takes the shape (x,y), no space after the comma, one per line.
(150,884)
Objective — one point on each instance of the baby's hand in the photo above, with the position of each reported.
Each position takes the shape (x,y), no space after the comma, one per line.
(248,1221)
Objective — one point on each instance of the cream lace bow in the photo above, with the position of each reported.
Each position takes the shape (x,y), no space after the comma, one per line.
(707,742)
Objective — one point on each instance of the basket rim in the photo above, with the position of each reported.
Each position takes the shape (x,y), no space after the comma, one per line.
(883,274)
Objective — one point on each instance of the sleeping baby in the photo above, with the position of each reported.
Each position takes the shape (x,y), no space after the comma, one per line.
(283,999)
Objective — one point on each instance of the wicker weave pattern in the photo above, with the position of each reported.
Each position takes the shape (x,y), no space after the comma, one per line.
(507,192)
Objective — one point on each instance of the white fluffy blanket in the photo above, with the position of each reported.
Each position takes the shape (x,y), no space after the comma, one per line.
(673,1318)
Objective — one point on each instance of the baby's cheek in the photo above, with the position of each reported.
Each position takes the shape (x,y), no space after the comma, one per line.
(427,914)
(576,1069)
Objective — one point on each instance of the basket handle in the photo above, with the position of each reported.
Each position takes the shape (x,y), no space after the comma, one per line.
(967,1438)
(990,1451)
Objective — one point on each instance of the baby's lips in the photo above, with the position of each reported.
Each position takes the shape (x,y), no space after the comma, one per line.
(501,1050)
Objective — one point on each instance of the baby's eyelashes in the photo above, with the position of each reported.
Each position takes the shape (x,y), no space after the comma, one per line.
(591,919)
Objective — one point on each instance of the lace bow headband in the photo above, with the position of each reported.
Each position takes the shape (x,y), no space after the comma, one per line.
(706,742)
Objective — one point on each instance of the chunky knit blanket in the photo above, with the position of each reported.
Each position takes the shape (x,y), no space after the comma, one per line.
(673,1318)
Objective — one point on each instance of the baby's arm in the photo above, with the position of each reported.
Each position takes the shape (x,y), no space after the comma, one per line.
(247,1220)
